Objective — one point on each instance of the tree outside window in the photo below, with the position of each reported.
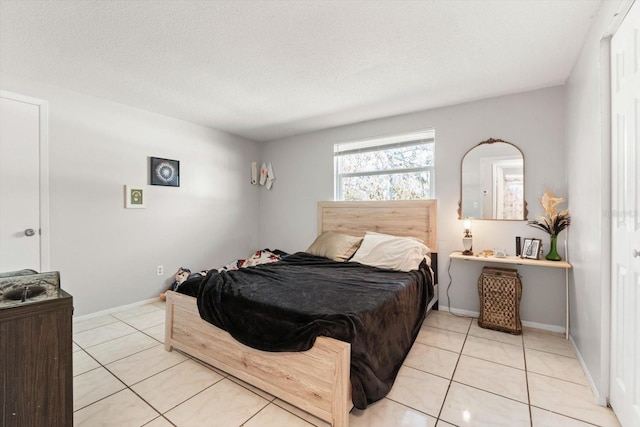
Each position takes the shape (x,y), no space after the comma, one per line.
(392,168)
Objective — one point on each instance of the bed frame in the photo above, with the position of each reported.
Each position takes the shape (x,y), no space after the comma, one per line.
(316,380)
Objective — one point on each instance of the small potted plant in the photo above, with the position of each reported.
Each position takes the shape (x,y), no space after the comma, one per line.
(553,222)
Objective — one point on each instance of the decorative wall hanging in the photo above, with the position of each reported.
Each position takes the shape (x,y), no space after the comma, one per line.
(263,173)
(254,173)
(263,177)
(134,197)
(270,177)
(165,172)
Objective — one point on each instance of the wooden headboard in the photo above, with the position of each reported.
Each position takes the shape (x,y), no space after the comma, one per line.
(411,218)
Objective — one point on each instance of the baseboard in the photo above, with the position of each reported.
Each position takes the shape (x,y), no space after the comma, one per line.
(535,325)
(114,309)
(544,326)
(458,311)
(600,399)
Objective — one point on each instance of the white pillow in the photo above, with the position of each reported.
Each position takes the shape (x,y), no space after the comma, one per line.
(390,252)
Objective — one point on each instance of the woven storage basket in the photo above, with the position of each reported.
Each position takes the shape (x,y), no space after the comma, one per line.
(500,290)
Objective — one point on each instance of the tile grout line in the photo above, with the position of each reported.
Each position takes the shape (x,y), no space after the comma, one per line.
(161,416)
(474,336)
(453,373)
(253,416)
(124,357)
(567,416)
(115,319)
(526,378)
(426,372)
(491,392)
(560,379)
(552,353)
(95,327)
(495,363)
(273,402)
(411,407)
(102,342)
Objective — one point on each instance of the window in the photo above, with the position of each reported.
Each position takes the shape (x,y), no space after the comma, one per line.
(399,167)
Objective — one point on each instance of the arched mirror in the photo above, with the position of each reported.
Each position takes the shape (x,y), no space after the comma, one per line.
(492,182)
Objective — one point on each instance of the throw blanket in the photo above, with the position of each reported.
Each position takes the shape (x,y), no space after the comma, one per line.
(284,306)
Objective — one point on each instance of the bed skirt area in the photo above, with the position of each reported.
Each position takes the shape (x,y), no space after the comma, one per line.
(316,380)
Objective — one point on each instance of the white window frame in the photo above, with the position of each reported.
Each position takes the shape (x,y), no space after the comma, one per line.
(383,143)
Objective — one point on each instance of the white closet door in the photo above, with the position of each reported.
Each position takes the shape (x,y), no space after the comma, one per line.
(625,280)
(19,185)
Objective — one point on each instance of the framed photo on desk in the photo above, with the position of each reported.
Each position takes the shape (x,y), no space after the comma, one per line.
(531,248)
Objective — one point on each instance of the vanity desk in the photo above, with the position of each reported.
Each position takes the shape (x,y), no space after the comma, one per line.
(515,260)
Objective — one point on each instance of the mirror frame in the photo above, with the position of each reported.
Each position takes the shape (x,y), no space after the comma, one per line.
(524,200)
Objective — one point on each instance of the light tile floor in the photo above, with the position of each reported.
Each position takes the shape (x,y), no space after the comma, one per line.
(456,374)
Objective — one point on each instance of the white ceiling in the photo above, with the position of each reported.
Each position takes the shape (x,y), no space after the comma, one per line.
(270,69)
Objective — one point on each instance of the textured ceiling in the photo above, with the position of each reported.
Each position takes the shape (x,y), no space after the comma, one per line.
(269,69)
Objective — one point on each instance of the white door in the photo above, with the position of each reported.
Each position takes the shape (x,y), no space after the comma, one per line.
(625,266)
(21,134)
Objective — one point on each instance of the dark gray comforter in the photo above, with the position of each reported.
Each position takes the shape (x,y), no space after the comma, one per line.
(284,306)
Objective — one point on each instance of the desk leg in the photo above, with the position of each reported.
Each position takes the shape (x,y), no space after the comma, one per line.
(566,291)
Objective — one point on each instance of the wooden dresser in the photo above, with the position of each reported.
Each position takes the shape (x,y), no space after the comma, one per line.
(36,367)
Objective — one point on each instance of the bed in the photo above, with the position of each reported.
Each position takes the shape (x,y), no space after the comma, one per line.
(317,380)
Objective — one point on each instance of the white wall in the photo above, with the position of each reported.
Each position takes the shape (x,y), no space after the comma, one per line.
(534,121)
(589,183)
(107,255)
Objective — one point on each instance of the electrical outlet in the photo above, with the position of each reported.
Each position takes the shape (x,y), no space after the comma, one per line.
(160,270)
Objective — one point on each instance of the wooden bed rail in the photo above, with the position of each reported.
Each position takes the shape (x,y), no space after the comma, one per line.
(316,380)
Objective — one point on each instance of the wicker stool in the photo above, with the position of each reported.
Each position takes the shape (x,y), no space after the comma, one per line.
(500,290)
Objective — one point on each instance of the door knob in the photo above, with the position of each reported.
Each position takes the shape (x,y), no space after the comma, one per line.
(636,253)
(29,232)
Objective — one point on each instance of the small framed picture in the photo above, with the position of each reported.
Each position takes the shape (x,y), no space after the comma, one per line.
(134,196)
(531,248)
(165,172)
